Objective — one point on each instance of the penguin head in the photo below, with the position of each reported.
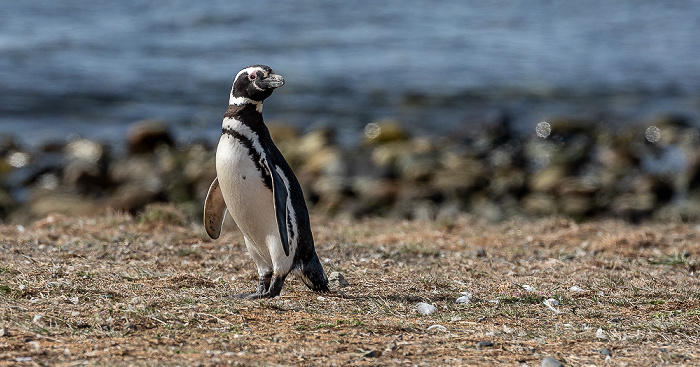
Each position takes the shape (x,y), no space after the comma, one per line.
(256,82)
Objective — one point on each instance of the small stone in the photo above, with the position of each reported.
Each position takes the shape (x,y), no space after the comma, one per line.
(337,280)
(3,332)
(144,136)
(35,345)
(606,352)
(425,308)
(131,327)
(529,288)
(370,354)
(550,362)
(436,327)
(484,344)
(600,334)
(576,289)
(465,298)
(37,318)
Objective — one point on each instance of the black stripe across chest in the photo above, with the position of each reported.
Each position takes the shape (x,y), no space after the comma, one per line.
(255,155)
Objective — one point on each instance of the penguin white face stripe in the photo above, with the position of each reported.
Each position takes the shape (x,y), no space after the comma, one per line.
(247,71)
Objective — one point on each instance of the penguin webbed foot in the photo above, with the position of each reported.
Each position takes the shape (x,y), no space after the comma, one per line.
(255,295)
(269,286)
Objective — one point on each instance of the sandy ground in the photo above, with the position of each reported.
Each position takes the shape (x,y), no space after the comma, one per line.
(153,290)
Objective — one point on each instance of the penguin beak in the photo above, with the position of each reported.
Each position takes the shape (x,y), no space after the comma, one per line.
(271,81)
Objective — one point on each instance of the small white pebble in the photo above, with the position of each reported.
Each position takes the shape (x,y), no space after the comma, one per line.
(425,308)
(576,289)
(437,327)
(35,345)
(600,334)
(463,299)
(550,303)
(37,318)
(321,298)
(74,300)
(529,288)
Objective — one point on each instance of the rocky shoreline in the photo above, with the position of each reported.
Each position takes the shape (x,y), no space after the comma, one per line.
(570,168)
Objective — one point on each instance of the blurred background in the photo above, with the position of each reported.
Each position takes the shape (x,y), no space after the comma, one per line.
(411,109)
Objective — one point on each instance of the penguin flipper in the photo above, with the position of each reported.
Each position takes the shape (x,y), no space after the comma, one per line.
(214,210)
(279,192)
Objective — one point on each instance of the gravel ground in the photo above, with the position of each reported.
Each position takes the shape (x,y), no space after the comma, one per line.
(152,290)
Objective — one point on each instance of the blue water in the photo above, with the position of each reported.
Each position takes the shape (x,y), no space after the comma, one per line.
(89,68)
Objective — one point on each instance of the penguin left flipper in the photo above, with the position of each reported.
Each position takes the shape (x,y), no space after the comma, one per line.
(214,210)
(279,192)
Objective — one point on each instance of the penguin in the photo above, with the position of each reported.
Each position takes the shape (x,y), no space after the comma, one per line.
(256,186)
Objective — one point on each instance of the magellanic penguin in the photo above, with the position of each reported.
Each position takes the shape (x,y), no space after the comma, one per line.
(258,188)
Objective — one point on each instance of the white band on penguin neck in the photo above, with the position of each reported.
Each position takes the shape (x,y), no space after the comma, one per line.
(240,101)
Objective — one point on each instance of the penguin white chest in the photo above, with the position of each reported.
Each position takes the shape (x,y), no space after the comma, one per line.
(248,200)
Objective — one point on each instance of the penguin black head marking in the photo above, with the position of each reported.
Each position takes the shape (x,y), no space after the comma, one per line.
(255,83)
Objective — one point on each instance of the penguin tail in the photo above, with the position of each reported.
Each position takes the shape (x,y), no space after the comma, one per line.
(313,275)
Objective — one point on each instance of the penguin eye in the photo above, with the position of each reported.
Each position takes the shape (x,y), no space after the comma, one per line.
(253,75)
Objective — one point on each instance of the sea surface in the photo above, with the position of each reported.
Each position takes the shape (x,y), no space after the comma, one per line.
(90,68)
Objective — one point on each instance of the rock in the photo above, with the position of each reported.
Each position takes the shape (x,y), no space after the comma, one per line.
(465,298)
(64,203)
(371,354)
(132,197)
(484,344)
(436,327)
(144,136)
(551,362)
(336,280)
(3,332)
(384,132)
(600,334)
(529,288)
(546,180)
(131,327)
(425,308)
(606,352)
(540,204)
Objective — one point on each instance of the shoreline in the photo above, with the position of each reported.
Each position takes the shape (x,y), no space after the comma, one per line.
(578,170)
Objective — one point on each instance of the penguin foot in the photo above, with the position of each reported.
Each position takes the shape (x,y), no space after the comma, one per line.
(252,295)
(256,295)
(269,286)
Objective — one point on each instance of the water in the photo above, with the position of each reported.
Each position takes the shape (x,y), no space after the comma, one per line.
(78,68)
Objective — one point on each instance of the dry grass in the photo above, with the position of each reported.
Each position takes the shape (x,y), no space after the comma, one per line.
(117,290)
